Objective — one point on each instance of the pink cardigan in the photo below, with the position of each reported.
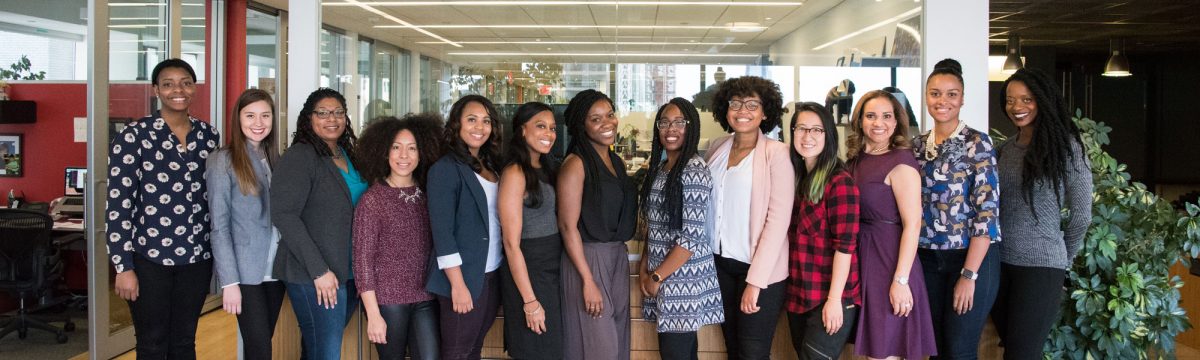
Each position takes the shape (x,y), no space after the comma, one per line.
(771,201)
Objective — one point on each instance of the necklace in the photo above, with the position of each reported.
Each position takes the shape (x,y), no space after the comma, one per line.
(408,198)
(883,149)
(931,149)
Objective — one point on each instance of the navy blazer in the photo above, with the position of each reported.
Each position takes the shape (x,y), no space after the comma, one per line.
(458,218)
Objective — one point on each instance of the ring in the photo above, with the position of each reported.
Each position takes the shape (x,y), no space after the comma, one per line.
(907,305)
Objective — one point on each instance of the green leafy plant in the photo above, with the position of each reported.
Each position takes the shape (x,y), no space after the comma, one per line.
(1123,303)
(20,71)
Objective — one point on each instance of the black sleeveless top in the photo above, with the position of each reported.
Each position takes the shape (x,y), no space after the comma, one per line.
(609,207)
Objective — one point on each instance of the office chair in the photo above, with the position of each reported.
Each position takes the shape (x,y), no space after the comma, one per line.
(28,268)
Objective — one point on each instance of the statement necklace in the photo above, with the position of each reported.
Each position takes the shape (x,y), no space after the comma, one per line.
(408,198)
(931,149)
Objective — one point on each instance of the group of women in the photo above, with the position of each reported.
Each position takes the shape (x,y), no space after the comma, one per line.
(435,225)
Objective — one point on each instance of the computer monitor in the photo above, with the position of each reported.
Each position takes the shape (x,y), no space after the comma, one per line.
(76,181)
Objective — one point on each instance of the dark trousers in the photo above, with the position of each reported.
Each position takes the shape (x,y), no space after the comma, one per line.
(957,336)
(462,334)
(1026,308)
(810,339)
(321,329)
(747,336)
(260,310)
(678,346)
(168,307)
(417,322)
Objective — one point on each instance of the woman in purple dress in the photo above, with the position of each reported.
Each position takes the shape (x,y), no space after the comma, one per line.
(895,318)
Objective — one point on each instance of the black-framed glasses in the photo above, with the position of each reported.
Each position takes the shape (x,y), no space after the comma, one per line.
(751,105)
(812,130)
(324,114)
(672,124)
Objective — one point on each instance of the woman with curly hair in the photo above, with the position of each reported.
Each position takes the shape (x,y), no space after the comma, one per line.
(392,241)
(532,247)
(597,205)
(753,191)
(894,321)
(467,247)
(313,193)
(1045,172)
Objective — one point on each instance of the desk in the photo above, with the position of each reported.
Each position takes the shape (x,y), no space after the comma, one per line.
(68,226)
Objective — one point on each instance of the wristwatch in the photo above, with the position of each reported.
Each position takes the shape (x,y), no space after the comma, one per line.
(968,274)
(902,280)
(655,277)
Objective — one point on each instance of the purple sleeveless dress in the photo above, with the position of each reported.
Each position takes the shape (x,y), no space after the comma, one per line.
(881,334)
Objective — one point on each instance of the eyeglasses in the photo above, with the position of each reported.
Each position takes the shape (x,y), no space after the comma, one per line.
(672,124)
(324,114)
(813,130)
(751,105)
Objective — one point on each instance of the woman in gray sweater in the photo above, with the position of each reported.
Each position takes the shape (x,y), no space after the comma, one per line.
(1043,170)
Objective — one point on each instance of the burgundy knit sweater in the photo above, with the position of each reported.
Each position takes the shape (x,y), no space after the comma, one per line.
(392,244)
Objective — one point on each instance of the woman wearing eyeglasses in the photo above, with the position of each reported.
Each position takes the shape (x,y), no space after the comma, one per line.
(753,192)
(678,277)
(313,193)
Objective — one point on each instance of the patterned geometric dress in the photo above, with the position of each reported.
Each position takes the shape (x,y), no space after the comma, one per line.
(690,298)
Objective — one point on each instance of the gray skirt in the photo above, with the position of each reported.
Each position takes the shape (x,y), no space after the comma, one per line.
(605,337)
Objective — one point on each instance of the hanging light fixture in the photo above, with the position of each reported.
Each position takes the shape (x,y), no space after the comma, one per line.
(1118,64)
(1013,61)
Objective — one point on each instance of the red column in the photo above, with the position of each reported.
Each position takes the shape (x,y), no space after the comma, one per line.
(235,58)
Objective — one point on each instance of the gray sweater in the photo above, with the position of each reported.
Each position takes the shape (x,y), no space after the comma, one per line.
(1047,240)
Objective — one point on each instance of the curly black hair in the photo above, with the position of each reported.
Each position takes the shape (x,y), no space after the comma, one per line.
(304,130)
(376,144)
(1049,156)
(767,91)
(518,154)
(489,154)
(673,192)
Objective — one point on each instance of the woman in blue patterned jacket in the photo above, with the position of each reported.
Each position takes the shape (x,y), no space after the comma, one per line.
(678,276)
(960,198)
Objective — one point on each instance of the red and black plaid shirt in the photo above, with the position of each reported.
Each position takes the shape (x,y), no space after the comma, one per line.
(817,231)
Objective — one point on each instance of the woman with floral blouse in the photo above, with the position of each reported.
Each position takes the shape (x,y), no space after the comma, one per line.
(960,200)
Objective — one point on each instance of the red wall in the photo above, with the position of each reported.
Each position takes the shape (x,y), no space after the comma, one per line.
(49,144)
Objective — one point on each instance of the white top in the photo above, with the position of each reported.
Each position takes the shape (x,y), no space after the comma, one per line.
(274,235)
(731,200)
(495,243)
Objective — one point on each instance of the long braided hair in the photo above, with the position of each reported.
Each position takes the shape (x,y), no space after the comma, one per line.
(518,154)
(674,187)
(304,129)
(1049,156)
(576,116)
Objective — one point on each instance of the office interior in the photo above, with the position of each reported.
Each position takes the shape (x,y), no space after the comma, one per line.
(391,58)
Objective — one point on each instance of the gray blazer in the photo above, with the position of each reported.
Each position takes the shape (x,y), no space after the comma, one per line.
(242,234)
(310,205)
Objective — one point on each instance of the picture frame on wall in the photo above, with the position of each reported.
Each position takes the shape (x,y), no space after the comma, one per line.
(12,155)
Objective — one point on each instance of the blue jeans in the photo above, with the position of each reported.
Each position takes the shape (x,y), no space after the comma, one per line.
(320,328)
(957,335)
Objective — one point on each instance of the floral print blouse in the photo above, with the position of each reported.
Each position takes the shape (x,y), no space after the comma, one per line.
(960,192)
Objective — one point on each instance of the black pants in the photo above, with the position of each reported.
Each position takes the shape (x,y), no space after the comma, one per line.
(747,336)
(168,307)
(810,339)
(1026,308)
(417,322)
(957,336)
(678,346)
(462,334)
(260,310)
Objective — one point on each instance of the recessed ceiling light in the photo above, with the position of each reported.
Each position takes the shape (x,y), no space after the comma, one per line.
(741,26)
(768,18)
(744,26)
(692,42)
(523,54)
(563,3)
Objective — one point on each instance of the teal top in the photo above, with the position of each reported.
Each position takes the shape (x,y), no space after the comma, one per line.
(354,181)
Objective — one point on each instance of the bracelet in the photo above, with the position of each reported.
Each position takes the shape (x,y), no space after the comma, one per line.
(534,312)
(530,301)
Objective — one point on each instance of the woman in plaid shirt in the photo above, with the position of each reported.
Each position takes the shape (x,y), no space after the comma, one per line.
(823,294)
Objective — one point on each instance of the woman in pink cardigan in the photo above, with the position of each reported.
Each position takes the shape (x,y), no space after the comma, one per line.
(753,191)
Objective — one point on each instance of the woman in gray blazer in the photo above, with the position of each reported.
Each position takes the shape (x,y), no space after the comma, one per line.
(313,194)
(243,240)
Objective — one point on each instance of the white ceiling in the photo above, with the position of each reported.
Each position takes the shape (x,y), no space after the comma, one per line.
(655,33)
